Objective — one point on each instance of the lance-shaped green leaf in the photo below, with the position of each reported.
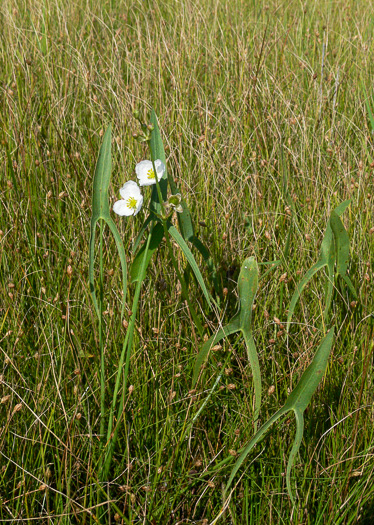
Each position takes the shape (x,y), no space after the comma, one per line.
(342,250)
(327,258)
(158,152)
(297,401)
(156,238)
(100,210)
(241,322)
(248,285)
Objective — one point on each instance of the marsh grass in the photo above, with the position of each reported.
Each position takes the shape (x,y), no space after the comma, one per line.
(264,112)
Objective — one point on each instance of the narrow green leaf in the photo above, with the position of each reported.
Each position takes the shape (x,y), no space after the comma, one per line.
(248,286)
(100,204)
(158,152)
(342,250)
(341,242)
(91,273)
(156,238)
(255,439)
(122,256)
(229,329)
(190,258)
(299,416)
(300,397)
(300,287)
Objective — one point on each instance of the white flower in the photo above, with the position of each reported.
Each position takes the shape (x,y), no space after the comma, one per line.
(145,173)
(132,200)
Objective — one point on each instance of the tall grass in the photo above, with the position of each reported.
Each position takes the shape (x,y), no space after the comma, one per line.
(266,127)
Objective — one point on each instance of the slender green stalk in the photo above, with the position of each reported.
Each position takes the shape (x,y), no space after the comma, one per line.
(101,343)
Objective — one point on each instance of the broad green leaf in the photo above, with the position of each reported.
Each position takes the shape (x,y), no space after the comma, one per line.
(229,329)
(190,258)
(156,238)
(297,401)
(100,210)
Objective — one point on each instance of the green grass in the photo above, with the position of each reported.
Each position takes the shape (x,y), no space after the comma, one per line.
(259,142)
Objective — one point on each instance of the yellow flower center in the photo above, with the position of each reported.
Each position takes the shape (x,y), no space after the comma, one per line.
(151,174)
(131,203)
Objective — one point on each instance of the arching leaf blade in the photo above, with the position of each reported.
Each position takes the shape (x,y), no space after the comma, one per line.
(341,242)
(190,258)
(247,287)
(231,328)
(300,287)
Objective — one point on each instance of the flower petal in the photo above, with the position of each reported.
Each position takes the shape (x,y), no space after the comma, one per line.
(121,208)
(145,173)
(139,205)
(130,189)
